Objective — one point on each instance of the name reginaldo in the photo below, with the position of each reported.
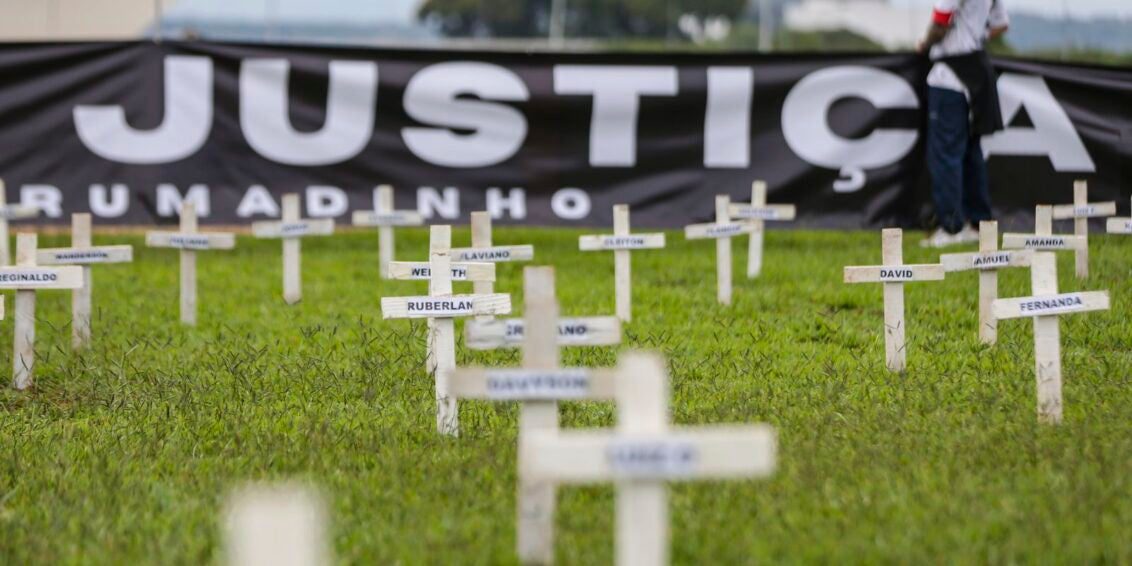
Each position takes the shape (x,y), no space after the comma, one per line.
(28,278)
(1068,302)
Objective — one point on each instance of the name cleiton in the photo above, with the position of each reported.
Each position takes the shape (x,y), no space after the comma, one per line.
(447,307)
(28,278)
(992,260)
(623,242)
(189,242)
(91,256)
(895,274)
(1045,242)
(1055,304)
(535,384)
(651,459)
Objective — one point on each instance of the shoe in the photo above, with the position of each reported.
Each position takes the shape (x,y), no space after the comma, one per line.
(941,239)
(968,235)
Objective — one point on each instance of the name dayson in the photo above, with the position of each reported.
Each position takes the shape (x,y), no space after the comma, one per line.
(1052,303)
(430,306)
(536,383)
(42,277)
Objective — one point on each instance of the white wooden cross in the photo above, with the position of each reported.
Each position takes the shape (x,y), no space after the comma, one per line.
(440,306)
(190,241)
(1044,307)
(758,212)
(722,230)
(1043,238)
(290,229)
(276,525)
(987,261)
(483,250)
(386,218)
(83,253)
(7,213)
(622,243)
(644,453)
(1122,225)
(893,273)
(538,385)
(26,278)
(1081,211)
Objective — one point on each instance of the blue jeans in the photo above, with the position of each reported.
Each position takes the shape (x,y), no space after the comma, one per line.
(955,160)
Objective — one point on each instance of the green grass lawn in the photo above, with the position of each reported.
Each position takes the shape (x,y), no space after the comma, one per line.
(124,454)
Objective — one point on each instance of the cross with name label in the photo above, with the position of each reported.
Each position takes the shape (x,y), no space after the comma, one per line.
(757,213)
(1121,225)
(1044,307)
(538,386)
(483,250)
(290,229)
(276,525)
(441,307)
(385,218)
(85,255)
(622,243)
(10,212)
(1081,211)
(987,261)
(190,241)
(1043,238)
(894,274)
(643,454)
(26,277)
(722,230)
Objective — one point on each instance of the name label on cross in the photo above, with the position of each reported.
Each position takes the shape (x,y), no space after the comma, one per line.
(28,278)
(724,230)
(485,255)
(189,242)
(755,213)
(991,260)
(577,329)
(1045,243)
(528,384)
(458,273)
(651,459)
(1087,210)
(440,307)
(1053,304)
(896,274)
(623,242)
(85,256)
(294,228)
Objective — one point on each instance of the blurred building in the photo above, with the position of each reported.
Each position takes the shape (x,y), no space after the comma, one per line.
(46,20)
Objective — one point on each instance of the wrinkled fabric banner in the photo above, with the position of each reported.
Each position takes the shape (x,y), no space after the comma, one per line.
(128,131)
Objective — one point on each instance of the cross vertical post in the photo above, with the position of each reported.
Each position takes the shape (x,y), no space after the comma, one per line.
(442,331)
(481,238)
(7,213)
(81,297)
(383,204)
(892,253)
(755,238)
(1081,227)
(723,252)
(988,283)
(188,267)
(292,258)
(622,266)
(23,358)
(642,505)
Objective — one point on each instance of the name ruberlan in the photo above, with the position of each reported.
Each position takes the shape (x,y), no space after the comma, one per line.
(440,306)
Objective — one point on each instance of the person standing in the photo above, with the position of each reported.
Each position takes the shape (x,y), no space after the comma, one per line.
(962,107)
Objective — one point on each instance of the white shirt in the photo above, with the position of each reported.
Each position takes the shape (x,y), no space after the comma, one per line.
(968,22)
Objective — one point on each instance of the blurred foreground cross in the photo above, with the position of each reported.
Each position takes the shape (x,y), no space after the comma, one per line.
(281,525)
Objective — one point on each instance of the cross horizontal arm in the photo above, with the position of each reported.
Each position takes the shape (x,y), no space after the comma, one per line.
(447,306)
(191,241)
(298,228)
(592,456)
(1090,210)
(986,260)
(418,270)
(1063,303)
(494,253)
(586,331)
(893,273)
(714,230)
(522,384)
(1040,242)
(1119,226)
(391,218)
(626,242)
(764,212)
(32,278)
(82,256)
(18,211)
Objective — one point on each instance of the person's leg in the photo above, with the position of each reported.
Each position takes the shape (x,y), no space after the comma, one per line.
(947,144)
(976,189)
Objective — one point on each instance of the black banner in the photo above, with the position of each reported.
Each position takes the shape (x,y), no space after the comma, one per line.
(128,130)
